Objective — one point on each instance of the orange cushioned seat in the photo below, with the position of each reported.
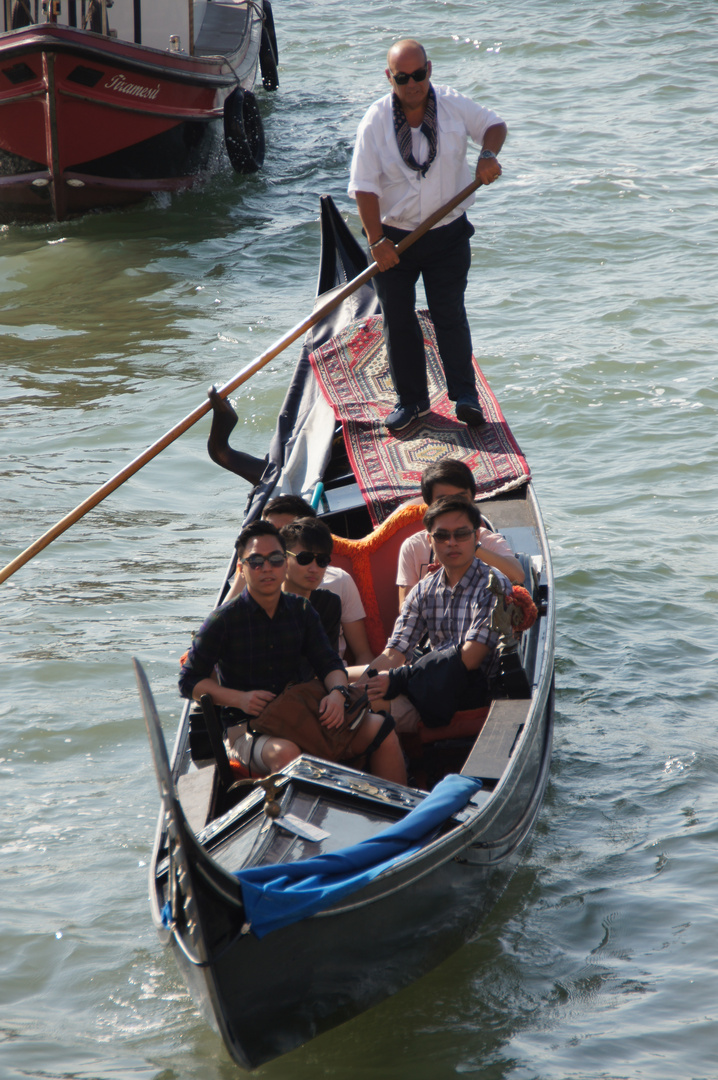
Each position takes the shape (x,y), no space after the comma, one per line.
(464,724)
(372,562)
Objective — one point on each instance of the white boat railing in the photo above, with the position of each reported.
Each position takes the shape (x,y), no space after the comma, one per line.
(162,25)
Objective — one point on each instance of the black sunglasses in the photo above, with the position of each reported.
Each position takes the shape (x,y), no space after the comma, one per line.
(257,561)
(401,78)
(442,536)
(304,558)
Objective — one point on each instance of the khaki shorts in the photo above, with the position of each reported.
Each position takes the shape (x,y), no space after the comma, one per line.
(245,747)
(405,715)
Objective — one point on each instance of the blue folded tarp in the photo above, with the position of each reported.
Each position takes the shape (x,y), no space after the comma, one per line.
(277,895)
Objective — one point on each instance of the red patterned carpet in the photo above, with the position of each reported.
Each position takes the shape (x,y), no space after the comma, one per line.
(354,378)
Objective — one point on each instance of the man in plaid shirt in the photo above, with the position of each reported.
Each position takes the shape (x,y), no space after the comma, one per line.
(453,606)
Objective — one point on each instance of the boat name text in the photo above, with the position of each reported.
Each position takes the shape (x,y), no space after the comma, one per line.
(120,83)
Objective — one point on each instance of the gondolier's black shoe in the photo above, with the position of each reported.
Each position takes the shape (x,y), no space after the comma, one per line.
(403,415)
(469,412)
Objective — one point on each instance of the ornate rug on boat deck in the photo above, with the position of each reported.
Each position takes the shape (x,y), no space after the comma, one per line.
(354,377)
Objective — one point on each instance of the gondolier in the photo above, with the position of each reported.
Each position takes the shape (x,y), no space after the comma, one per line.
(409,159)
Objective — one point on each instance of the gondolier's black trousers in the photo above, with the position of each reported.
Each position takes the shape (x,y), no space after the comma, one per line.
(442,257)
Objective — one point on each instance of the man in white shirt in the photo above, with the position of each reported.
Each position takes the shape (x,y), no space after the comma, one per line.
(410,159)
(450,477)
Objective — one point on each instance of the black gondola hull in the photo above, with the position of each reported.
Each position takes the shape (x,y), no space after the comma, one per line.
(267,996)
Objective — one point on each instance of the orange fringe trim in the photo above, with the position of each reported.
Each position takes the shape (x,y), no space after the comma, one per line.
(528,610)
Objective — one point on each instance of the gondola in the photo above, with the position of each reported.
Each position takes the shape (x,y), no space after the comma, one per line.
(270,978)
(102,105)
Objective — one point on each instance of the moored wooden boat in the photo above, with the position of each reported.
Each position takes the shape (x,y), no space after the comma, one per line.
(269,986)
(101,105)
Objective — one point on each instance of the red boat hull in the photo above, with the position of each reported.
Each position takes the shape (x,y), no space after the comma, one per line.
(88,121)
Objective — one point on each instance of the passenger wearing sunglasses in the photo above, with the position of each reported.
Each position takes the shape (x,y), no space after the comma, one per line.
(453,606)
(283,510)
(451,476)
(257,645)
(309,549)
(410,158)
(309,544)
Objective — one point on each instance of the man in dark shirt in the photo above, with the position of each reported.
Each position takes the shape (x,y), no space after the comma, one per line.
(309,551)
(257,643)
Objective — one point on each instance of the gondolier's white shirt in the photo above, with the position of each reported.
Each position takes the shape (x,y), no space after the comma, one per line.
(405,197)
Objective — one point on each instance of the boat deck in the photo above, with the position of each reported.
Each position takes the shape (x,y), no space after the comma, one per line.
(223,29)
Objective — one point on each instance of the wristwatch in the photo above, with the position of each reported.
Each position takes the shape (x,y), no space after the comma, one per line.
(486,154)
(344,691)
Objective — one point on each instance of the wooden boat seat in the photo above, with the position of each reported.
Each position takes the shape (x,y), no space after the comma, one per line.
(206,792)
(372,562)
(491,753)
(433,752)
(465,725)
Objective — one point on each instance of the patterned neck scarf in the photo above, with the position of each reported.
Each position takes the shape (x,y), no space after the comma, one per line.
(403,132)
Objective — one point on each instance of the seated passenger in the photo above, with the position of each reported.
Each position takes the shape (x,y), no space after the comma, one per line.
(284,509)
(438,480)
(453,606)
(309,549)
(257,644)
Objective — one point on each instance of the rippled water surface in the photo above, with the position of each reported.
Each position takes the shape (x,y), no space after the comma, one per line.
(592,302)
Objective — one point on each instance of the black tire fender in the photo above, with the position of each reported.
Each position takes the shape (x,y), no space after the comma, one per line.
(269,27)
(268,62)
(268,50)
(243,131)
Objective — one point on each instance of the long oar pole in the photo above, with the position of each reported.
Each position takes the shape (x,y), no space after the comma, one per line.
(246,373)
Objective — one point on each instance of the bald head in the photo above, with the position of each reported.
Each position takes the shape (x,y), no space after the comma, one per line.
(406,50)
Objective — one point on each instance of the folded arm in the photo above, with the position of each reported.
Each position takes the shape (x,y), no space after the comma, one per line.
(509,565)
(250,702)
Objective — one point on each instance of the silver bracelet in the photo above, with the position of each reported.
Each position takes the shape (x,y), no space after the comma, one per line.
(376,243)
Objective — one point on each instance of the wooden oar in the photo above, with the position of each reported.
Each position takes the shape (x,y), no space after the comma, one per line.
(179,429)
